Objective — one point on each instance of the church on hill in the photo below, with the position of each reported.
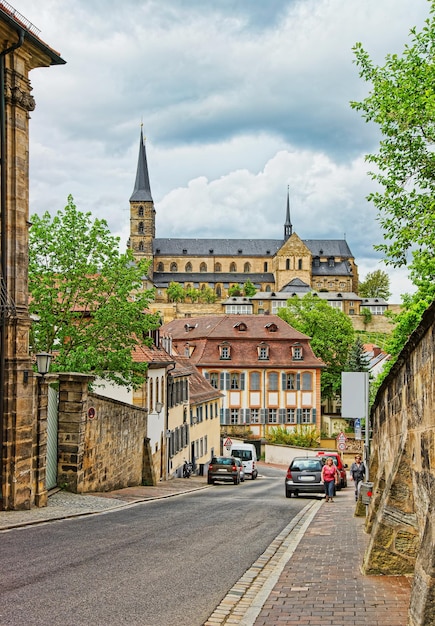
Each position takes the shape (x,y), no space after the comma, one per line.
(272,265)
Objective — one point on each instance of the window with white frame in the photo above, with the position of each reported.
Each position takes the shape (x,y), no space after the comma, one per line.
(214,379)
(290,381)
(290,415)
(234,416)
(263,352)
(272,416)
(297,353)
(306,416)
(225,352)
(235,380)
(255,416)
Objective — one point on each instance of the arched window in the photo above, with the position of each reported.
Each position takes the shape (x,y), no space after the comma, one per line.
(157,390)
(140,228)
(140,211)
(307,381)
(160,267)
(299,264)
(188,267)
(140,246)
(267,288)
(287,264)
(233,267)
(174,267)
(217,267)
(254,381)
(150,396)
(203,267)
(273,381)
(247,267)
(162,387)
(218,291)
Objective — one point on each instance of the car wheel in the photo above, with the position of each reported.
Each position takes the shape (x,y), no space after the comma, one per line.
(236,481)
(210,481)
(288,494)
(254,475)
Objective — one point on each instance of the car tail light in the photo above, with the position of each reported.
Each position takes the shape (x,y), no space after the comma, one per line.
(234,468)
(289,474)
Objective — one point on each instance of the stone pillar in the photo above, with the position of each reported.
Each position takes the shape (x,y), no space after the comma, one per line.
(73,398)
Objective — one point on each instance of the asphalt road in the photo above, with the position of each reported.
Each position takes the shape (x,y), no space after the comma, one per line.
(160,563)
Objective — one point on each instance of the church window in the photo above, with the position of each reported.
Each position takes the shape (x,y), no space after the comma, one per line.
(233,267)
(287,264)
(218,291)
(140,211)
(140,228)
(268,288)
(247,267)
(218,267)
(140,246)
(203,267)
(160,267)
(174,267)
(299,264)
(188,267)
(265,266)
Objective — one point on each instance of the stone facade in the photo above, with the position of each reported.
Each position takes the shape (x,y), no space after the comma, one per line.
(103,443)
(401,516)
(21,51)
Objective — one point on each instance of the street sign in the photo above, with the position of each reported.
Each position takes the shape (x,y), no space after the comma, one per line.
(341,446)
(228,443)
(357,429)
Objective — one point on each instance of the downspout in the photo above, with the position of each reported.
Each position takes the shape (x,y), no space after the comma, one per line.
(3,242)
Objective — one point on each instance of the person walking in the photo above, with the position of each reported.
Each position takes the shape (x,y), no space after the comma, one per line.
(329,478)
(357,473)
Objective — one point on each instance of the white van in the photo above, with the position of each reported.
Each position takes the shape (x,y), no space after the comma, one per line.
(247,453)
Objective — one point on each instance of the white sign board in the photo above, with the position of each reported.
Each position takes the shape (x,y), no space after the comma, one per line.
(354,394)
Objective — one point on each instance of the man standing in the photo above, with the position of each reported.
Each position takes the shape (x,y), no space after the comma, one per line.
(357,474)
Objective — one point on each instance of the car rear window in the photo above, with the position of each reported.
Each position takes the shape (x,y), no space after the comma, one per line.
(245,455)
(300,465)
(222,460)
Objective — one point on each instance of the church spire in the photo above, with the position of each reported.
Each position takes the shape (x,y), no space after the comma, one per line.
(288,228)
(142,190)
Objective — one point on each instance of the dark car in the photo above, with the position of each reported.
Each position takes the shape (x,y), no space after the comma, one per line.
(223,468)
(335,456)
(304,475)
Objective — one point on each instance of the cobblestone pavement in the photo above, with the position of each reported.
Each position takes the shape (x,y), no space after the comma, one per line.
(308,576)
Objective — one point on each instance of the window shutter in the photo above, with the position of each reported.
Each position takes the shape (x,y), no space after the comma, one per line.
(247,416)
(206,375)
(227,416)
(313,415)
(298,415)
(298,381)
(227,381)
(222,381)
(242,380)
(262,416)
(281,416)
(283,381)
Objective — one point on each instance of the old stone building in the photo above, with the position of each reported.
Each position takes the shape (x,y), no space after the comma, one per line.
(22,482)
(218,264)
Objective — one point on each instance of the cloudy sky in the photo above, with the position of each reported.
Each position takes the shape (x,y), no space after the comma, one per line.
(238,99)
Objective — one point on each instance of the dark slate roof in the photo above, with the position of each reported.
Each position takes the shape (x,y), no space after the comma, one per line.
(217,247)
(328,247)
(296,285)
(142,189)
(246,247)
(161,279)
(340,268)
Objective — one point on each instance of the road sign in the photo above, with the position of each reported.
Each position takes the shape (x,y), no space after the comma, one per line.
(228,443)
(341,446)
(341,438)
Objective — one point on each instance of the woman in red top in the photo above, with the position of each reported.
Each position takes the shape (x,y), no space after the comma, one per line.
(329,476)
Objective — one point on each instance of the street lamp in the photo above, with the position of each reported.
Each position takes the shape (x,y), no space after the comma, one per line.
(159,407)
(43,360)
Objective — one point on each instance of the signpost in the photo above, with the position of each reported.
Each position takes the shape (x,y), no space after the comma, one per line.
(228,443)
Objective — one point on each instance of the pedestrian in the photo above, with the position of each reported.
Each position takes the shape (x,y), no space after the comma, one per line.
(329,478)
(357,473)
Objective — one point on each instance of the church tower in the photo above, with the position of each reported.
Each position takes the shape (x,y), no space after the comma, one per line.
(142,211)
(288,228)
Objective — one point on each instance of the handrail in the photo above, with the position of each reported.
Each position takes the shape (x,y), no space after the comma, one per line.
(19,18)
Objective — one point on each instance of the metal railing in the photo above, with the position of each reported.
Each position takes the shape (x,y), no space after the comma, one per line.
(23,21)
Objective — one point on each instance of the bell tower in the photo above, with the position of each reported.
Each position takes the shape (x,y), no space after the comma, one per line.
(142,211)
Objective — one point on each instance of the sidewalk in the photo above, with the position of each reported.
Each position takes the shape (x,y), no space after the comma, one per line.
(308,576)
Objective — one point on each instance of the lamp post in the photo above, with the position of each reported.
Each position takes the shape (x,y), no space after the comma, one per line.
(159,407)
(43,360)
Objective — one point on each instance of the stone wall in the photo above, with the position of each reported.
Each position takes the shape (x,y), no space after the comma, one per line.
(401,516)
(102,442)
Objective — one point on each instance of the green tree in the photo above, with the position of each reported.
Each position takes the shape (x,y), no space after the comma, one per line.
(89,298)
(357,360)
(331,333)
(235,291)
(375,285)
(207,295)
(402,103)
(249,289)
(175,292)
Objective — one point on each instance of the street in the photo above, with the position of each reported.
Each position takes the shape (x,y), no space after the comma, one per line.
(159,563)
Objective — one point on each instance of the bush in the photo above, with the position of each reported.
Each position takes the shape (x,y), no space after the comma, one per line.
(304,436)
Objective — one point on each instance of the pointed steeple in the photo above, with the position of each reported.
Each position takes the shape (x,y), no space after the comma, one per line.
(288,228)
(142,190)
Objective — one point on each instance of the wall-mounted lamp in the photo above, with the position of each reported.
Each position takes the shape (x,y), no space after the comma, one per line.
(43,360)
(159,407)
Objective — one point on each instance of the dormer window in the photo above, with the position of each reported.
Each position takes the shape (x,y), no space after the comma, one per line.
(189,327)
(225,352)
(297,353)
(271,327)
(241,326)
(331,261)
(263,352)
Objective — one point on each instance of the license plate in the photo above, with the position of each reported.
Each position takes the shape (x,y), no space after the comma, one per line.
(222,470)
(307,479)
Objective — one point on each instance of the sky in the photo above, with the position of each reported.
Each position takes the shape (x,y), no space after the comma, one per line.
(239,100)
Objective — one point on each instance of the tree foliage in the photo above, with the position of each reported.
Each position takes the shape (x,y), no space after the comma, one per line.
(331,333)
(89,298)
(357,360)
(375,285)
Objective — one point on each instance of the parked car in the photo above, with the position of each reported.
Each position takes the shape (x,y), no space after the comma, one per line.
(335,456)
(304,475)
(241,468)
(247,453)
(223,468)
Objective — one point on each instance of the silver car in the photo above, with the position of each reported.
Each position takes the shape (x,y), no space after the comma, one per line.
(304,475)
